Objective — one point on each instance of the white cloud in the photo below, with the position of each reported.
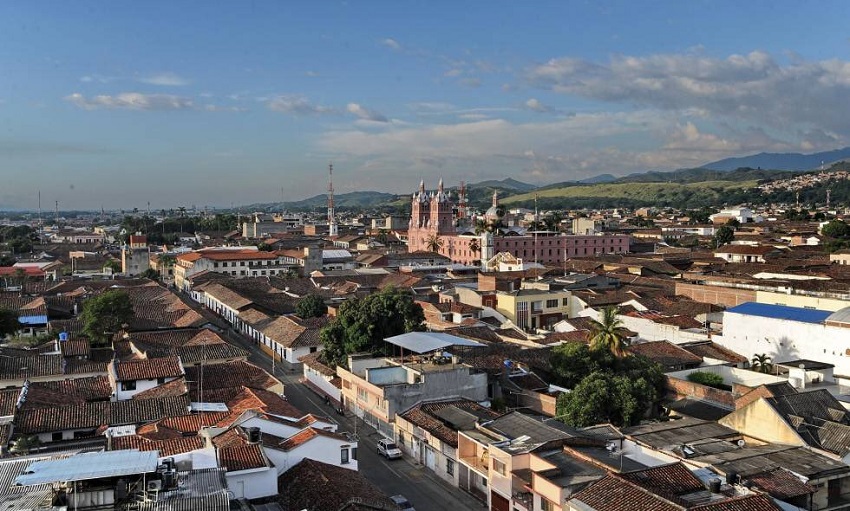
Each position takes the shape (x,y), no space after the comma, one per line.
(298,105)
(364,113)
(166,79)
(754,88)
(391,44)
(131,101)
(537,106)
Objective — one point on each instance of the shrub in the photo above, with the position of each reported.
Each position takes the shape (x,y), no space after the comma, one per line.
(708,379)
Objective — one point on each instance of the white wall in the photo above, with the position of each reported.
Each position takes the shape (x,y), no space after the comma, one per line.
(785,340)
(322,383)
(320,448)
(141,386)
(252,484)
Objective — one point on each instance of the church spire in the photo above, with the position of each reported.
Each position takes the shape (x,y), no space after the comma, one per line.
(495,198)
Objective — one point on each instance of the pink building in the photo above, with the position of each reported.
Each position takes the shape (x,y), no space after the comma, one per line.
(432,215)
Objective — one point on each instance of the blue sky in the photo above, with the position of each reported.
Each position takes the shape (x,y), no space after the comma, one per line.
(219,103)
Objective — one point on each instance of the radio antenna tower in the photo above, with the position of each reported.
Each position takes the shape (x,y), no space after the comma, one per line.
(332,228)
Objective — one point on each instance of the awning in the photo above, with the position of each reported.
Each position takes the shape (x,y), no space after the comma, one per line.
(425,342)
(90,465)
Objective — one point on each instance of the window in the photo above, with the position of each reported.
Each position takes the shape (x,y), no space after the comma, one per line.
(551,304)
(498,466)
(450,467)
(160,381)
(128,385)
(546,505)
(313,349)
(362,395)
(343,455)
(565,302)
(56,437)
(354,453)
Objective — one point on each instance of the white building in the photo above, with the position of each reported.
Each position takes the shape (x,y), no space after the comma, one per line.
(789,333)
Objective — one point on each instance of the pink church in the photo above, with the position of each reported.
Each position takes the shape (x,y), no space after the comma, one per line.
(432,215)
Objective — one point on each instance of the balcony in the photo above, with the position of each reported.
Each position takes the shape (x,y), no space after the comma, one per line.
(477,464)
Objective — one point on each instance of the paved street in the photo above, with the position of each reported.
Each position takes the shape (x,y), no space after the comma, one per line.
(421,486)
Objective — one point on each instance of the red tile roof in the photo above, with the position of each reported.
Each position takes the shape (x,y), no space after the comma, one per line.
(63,392)
(94,415)
(170,447)
(174,388)
(665,353)
(315,485)
(148,369)
(424,416)
(234,375)
(305,435)
(781,484)
(243,457)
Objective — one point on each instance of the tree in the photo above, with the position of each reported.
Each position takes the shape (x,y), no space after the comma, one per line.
(571,362)
(105,314)
(113,265)
(762,363)
(311,306)
(9,323)
(608,333)
(150,273)
(836,229)
(733,223)
(434,243)
(474,246)
(723,236)
(604,397)
(362,324)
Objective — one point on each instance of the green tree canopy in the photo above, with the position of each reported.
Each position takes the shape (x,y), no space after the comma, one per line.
(605,397)
(9,323)
(836,229)
(362,324)
(605,387)
(311,306)
(103,315)
(723,235)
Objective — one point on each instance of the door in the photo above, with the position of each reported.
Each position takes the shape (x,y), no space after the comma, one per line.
(430,458)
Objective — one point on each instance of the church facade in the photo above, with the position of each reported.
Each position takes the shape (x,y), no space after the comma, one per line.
(433,224)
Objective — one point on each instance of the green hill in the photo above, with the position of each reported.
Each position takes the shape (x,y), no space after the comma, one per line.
(636,194)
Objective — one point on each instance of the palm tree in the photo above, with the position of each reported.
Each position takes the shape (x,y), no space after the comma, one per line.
(434,243)
(762,363)
(474,247)
(608,333)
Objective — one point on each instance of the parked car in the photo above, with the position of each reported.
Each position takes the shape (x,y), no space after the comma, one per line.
(388,449)
(402,503)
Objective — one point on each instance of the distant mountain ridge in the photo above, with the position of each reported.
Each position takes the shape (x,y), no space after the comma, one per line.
(781,161)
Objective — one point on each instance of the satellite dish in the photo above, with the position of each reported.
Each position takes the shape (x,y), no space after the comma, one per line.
(741,443)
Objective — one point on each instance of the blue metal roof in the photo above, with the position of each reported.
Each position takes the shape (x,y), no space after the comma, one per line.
(766,310)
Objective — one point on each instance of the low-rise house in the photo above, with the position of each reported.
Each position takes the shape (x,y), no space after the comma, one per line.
(428,432)
(134,376)
(321,379)
(746,253)
(376,389)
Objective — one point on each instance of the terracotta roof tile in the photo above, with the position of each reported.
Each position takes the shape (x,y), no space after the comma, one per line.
(148,369)
(63,392)
(174,388)
(665,353)
(315,485)
(233,375)
(242,458)
(94,415)
(170,447)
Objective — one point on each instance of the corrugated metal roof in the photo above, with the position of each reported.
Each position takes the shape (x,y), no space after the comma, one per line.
(781,312)
(91,465)
(424,342)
